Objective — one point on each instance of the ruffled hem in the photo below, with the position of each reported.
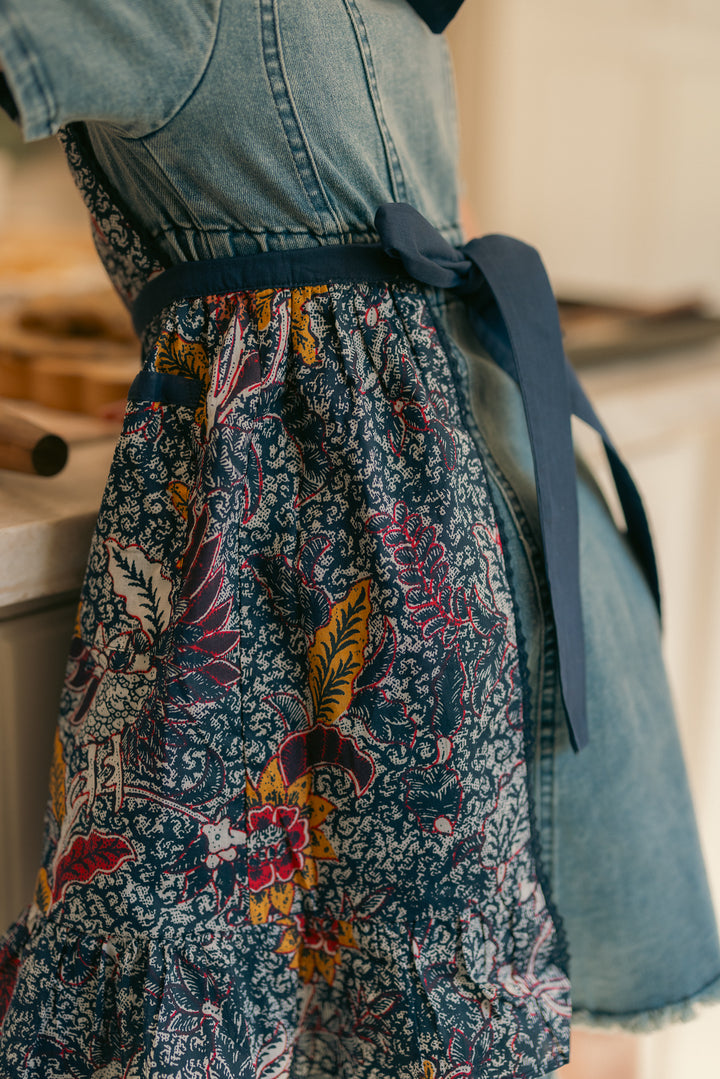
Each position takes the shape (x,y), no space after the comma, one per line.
(643,1022)
(130,1006)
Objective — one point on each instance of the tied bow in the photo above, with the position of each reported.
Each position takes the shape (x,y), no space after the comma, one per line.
(514,314)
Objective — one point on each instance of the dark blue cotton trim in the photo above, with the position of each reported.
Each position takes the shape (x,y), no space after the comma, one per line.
(165,388)
(341,263)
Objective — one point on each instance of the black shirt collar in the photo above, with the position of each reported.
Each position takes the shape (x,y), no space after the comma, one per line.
(436,13)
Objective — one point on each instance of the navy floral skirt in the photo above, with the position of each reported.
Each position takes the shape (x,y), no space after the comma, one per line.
(289,831)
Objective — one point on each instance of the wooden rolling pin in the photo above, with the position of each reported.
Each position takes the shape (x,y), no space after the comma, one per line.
(25,447)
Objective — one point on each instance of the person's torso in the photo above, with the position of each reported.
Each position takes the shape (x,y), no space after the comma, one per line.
(304,120)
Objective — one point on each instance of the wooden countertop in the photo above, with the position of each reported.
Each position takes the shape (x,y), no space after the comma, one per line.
(46,522)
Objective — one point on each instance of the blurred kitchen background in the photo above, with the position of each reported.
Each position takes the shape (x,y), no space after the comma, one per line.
(591,130)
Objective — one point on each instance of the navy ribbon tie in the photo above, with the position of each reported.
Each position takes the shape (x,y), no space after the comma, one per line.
(514,314)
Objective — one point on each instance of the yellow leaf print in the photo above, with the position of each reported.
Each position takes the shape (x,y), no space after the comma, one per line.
(326,966)
(57,780)
(180,494)
(300,793)
(281,896)
(277,898)
(270,789)
(176,356)
(291,939)
(337,654)
(224,306)
(43,895)
(315,945)
(319,809)
(264,306)
(319,847)
(180,357)
(304,342)
(302,790)
(259,908)
(345,935)
(307,877)
(304,962)
(428,1069)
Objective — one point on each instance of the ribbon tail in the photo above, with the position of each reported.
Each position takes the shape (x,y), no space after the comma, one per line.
(638,528)
(514,314)
(520,288)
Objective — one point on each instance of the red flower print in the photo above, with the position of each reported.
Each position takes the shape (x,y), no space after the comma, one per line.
(285,840)
(315,944)
(277,836)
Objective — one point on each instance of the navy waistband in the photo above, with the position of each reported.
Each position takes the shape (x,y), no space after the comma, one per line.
(346,263)
(514,314)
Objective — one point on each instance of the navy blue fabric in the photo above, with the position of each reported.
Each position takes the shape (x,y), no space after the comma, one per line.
(514,314)
(632,506)
(165,388)
(7,101)
(437,13)
(269,269)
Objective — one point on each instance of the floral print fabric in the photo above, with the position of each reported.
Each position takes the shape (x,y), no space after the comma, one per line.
(288,831)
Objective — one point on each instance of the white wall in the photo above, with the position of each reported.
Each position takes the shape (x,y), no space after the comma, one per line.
(592,129)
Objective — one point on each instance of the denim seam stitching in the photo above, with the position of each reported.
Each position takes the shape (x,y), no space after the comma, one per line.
(392,158)
(366,234)
(30,72)
(155,129)
(545,730)
(301,153)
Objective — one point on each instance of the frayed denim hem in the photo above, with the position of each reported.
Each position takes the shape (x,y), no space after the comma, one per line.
(643,1022)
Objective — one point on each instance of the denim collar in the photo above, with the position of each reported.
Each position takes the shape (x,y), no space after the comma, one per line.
(437,13)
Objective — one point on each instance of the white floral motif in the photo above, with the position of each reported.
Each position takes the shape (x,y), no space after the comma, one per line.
(223,841)
(550,989)
(142,585)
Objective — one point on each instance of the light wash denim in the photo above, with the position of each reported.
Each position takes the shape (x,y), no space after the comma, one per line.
(616,822)
(263,137)
(235,126)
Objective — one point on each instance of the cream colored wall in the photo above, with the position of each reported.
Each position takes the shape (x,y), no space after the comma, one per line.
(592,129)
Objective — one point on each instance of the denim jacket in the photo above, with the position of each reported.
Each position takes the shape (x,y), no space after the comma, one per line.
(308,144)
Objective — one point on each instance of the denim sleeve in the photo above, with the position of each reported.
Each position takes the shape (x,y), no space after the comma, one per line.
(130,63)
